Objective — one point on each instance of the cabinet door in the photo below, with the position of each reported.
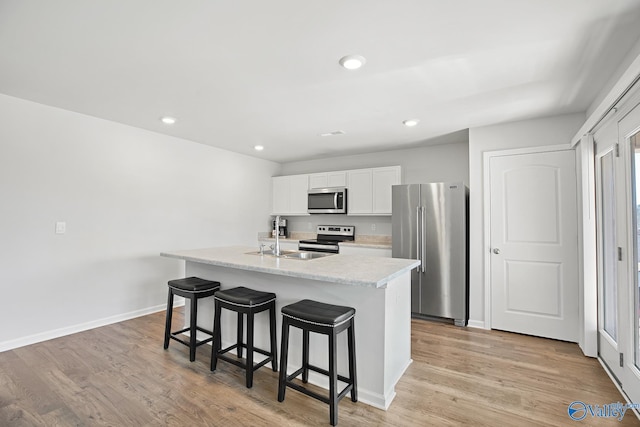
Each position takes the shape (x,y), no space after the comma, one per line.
(318,180)
(337,179)
(328,179)
(281,189)
(359,195)
(382,180)
(298,193)
(290,195)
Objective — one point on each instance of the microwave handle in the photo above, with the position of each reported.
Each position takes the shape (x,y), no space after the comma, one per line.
(335,200)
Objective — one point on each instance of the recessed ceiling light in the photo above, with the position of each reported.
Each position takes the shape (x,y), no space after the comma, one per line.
(352,62)
(168,120)
(411,122)
(334,133)
(258,148)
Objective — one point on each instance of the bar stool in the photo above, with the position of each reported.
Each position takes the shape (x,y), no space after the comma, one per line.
(193,288)
(244,301)
(327,319)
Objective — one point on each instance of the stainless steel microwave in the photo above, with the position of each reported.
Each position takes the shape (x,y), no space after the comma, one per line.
(327,201)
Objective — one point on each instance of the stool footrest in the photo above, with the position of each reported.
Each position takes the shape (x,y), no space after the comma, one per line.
(174,336)
(234,346)
(206,331)
(318,396)
(187,343)
(240,362)
(325,372)
(319,370)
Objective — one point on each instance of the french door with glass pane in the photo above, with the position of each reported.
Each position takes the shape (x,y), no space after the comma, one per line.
(610,214)
(629,140)
(617,196)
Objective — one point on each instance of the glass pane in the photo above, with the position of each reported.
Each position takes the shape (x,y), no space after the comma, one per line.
(321,201)
(609,249)
(635,162)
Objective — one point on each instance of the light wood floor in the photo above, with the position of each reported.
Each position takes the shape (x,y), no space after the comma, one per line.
(119,375)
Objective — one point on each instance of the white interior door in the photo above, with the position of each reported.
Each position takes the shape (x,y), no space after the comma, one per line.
(534,253)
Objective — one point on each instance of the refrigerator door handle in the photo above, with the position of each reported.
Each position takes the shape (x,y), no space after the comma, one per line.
(418,237)
(423,237)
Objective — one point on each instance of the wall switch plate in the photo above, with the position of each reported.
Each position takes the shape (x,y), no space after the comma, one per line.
(61,227)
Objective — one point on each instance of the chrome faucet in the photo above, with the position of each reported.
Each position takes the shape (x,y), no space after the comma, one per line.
(276,228)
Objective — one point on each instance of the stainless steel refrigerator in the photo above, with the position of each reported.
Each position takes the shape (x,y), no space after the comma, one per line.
(430,223)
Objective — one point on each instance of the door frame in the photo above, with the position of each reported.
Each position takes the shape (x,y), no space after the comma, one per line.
(486,209)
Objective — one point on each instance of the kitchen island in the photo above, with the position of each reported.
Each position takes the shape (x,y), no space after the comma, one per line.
(378,288)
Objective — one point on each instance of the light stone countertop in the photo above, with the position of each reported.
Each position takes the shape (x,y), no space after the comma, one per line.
(344,269)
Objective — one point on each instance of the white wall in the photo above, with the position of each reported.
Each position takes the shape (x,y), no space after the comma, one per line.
(528,133)
(126,194)
(621,69)
(447,161)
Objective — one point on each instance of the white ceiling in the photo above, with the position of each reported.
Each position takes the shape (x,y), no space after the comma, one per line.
(237,73)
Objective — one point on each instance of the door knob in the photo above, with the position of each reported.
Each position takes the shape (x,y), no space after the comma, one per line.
(496,251)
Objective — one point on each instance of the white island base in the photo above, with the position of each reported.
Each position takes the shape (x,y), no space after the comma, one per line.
(382,321)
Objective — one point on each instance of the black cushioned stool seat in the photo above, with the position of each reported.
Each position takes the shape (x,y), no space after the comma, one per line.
(244,301)
(193,288)
(328,319)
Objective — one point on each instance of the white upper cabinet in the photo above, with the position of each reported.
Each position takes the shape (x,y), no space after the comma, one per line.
(318,180)
(370,190)
(328,179)
(290,195)
(382,180)
(359,193)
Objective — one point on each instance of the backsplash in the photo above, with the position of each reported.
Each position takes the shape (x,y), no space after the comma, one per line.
(360,238)
(369,229)
(365,225)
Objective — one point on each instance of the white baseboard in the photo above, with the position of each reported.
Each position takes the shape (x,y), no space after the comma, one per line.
(476,324)
(56,333)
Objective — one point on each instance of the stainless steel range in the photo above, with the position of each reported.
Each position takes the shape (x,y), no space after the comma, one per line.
(328,237)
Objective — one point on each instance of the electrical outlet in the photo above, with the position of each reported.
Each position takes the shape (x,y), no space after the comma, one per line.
(373,227)
(61,227)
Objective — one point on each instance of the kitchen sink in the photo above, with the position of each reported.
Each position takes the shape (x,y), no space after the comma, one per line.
(293,254)
(307,255)
(269,252)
